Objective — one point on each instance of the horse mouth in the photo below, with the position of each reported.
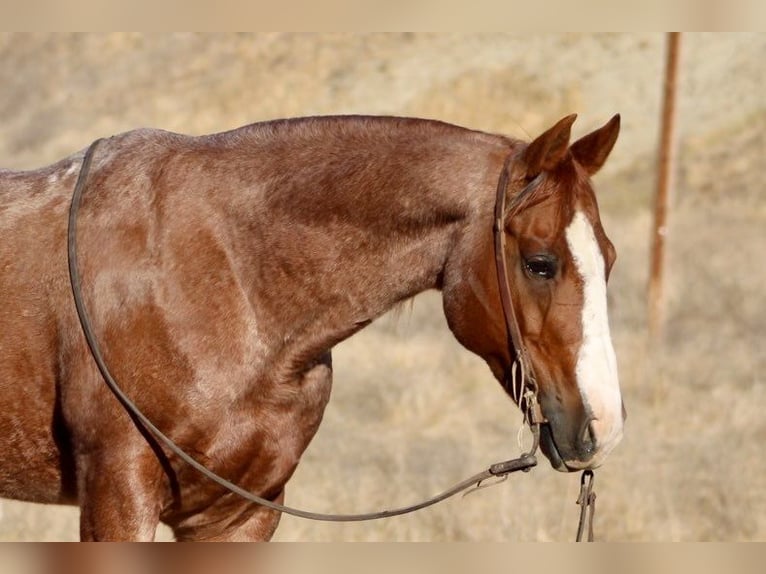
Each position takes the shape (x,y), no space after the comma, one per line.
(548,446)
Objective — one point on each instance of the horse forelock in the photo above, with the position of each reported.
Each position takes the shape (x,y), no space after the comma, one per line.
(563,185)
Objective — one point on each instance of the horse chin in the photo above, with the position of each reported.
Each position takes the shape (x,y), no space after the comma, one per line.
(548,446)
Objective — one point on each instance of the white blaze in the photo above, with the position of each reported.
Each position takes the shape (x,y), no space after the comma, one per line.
(596,369)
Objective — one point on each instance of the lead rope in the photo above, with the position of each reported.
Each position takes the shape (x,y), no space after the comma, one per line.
(501,469)
(587,502)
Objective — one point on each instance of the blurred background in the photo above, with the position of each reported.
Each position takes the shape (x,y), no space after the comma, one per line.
(412,412)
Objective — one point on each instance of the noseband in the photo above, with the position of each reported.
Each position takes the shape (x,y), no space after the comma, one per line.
(520,377)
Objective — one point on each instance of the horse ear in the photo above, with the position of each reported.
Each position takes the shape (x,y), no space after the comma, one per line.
(592,150)
(548,149)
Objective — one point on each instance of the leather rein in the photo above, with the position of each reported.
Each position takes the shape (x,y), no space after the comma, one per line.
(522,383)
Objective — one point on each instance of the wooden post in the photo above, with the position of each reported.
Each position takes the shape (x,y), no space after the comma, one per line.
(665,169)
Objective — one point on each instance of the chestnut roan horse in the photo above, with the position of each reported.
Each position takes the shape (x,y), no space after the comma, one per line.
(220,271)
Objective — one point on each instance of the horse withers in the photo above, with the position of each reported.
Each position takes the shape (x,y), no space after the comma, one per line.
(219,272)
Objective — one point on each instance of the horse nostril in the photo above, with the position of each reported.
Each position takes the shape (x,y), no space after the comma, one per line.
(587,440)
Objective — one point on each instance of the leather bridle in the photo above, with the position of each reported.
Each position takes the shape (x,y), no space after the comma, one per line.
(522,380)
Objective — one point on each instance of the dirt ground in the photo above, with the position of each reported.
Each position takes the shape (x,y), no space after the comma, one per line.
(412,412)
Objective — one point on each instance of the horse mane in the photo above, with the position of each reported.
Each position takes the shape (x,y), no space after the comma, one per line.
(316,126)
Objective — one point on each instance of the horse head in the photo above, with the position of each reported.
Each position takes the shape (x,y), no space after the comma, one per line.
(558,260)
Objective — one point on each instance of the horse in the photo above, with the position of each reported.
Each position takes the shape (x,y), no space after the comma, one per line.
(220,271)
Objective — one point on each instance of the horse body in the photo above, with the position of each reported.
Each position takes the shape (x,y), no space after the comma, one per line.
(219,272)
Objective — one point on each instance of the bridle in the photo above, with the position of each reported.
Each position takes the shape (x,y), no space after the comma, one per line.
(520,380)
(523,384)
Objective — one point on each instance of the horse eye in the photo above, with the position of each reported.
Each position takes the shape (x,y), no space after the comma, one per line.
(541,266)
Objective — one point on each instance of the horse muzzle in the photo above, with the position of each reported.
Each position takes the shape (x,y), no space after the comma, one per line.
(587,448)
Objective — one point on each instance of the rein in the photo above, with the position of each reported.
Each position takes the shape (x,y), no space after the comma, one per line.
(523,385)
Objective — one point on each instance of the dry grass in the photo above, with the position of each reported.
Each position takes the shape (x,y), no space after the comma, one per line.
(411,411)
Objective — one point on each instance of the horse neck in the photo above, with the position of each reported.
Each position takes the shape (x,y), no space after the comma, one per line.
(350,225)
